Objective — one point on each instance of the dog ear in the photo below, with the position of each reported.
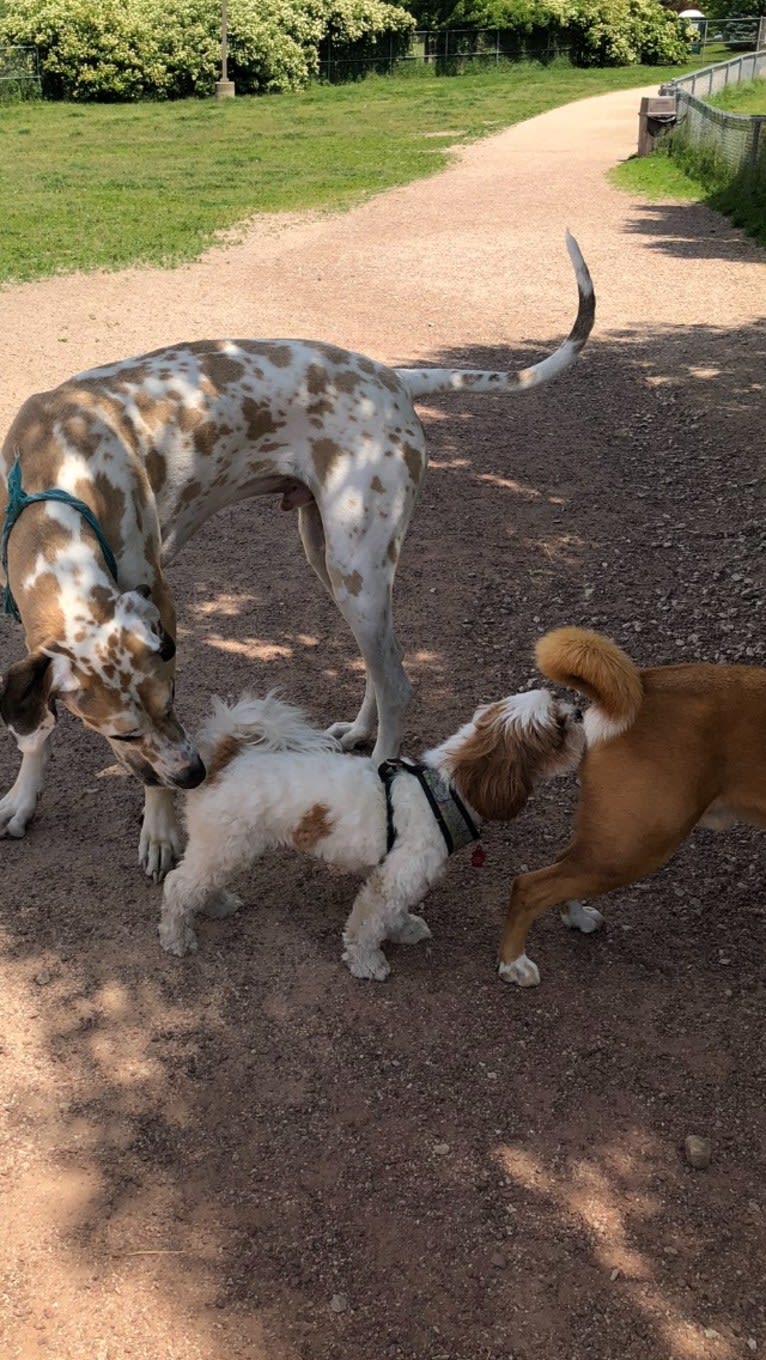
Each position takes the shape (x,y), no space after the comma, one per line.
(25,698)
(491,769)
(144,619)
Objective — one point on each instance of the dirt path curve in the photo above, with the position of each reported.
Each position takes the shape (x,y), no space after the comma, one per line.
(251,1156)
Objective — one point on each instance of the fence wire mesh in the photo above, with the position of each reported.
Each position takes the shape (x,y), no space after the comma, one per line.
(734,139)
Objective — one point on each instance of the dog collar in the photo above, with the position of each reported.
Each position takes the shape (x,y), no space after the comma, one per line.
(454,820)
(18,500)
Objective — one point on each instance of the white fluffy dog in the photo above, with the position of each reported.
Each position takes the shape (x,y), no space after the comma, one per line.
(274,781)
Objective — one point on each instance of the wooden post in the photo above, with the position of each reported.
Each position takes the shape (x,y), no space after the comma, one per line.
(224,88)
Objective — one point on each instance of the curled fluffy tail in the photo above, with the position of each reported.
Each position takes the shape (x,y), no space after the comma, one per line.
(268,723)
(593,665)
(423,382)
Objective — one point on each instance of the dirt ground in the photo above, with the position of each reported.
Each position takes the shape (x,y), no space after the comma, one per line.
(249,1155)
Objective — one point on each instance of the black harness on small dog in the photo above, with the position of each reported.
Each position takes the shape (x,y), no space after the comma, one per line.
(454,820)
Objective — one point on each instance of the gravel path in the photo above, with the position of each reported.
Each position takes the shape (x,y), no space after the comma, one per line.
(251,1156)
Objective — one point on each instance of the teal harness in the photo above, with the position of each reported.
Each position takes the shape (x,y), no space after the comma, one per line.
(18,500)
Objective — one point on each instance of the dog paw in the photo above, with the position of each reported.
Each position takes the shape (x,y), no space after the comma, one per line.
(222,904)
(349,735)
(522,971)
(177,937)
(159,851)
(410,931)
(579,917)
(372,963)
(14,815)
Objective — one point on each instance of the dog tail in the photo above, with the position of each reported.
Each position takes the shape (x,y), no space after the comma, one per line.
(423,382)
(593,665)
(269,724)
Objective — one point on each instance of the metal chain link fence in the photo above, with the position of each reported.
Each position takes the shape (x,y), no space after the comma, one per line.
(733,139)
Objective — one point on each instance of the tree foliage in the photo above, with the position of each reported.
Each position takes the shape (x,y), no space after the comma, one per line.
(142,49)
(593,32)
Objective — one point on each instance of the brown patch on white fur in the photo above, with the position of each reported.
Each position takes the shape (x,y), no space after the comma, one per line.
(313,827)
(496,767)
(222,755)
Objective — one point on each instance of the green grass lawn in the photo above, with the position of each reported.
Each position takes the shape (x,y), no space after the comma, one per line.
(747,98)
(657,178)
(105,185)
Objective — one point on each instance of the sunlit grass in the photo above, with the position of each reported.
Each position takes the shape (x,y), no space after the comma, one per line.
(94,186)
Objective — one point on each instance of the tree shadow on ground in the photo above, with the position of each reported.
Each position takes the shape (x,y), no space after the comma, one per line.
(694,230)
(248,1153)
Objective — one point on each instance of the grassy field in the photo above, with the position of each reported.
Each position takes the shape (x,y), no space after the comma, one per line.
(94,186)
(747,98)
(657,178)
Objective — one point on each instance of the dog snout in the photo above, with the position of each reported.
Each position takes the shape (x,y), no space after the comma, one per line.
(191,775)
(577,715)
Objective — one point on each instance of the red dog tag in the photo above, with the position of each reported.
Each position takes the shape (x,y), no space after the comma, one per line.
(478,857)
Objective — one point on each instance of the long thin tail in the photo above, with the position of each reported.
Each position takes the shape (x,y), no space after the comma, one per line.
(593,665)
(268,723)
(423,382)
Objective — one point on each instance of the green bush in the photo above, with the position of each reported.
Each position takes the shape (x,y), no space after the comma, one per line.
(147,49)
(595,32)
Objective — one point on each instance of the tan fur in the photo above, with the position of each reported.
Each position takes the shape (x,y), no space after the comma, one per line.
(497,766)
(594,666)
(695,750)
(222,755)
(313,827)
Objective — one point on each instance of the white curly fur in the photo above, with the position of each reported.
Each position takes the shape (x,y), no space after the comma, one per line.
(275,781)
(268,723)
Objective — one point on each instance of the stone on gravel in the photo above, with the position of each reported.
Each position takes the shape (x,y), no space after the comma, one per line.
(698,1151)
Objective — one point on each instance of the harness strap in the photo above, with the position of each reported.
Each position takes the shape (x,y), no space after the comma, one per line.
(18,500)
(387,772)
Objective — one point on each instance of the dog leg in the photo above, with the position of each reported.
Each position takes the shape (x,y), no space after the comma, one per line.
(370,622)
(632,855)
(349,734)
(409,929)
(198,884)
(222,904)
(186,892)
(578,916)
(160,843)
(382,911)
(355,557)
(18,805)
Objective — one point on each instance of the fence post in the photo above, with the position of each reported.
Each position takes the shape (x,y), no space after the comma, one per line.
(761,39)
(757,123)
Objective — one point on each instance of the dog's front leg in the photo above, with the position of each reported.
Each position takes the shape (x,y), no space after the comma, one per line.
(18,805)
(161,842)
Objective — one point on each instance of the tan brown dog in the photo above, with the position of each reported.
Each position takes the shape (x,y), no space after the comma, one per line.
(667,749)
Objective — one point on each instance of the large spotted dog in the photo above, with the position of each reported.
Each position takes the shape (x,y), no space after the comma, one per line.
(140,453)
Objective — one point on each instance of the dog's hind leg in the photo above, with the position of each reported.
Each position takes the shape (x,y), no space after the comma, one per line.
(349,734)
(353,544)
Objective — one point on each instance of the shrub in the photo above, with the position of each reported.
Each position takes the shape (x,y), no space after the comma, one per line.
(134,49)
(596,32)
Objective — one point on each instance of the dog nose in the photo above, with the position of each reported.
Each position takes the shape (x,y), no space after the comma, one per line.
(577,715)
(192,775)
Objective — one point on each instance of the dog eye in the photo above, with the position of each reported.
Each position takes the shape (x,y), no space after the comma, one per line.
(132,736)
